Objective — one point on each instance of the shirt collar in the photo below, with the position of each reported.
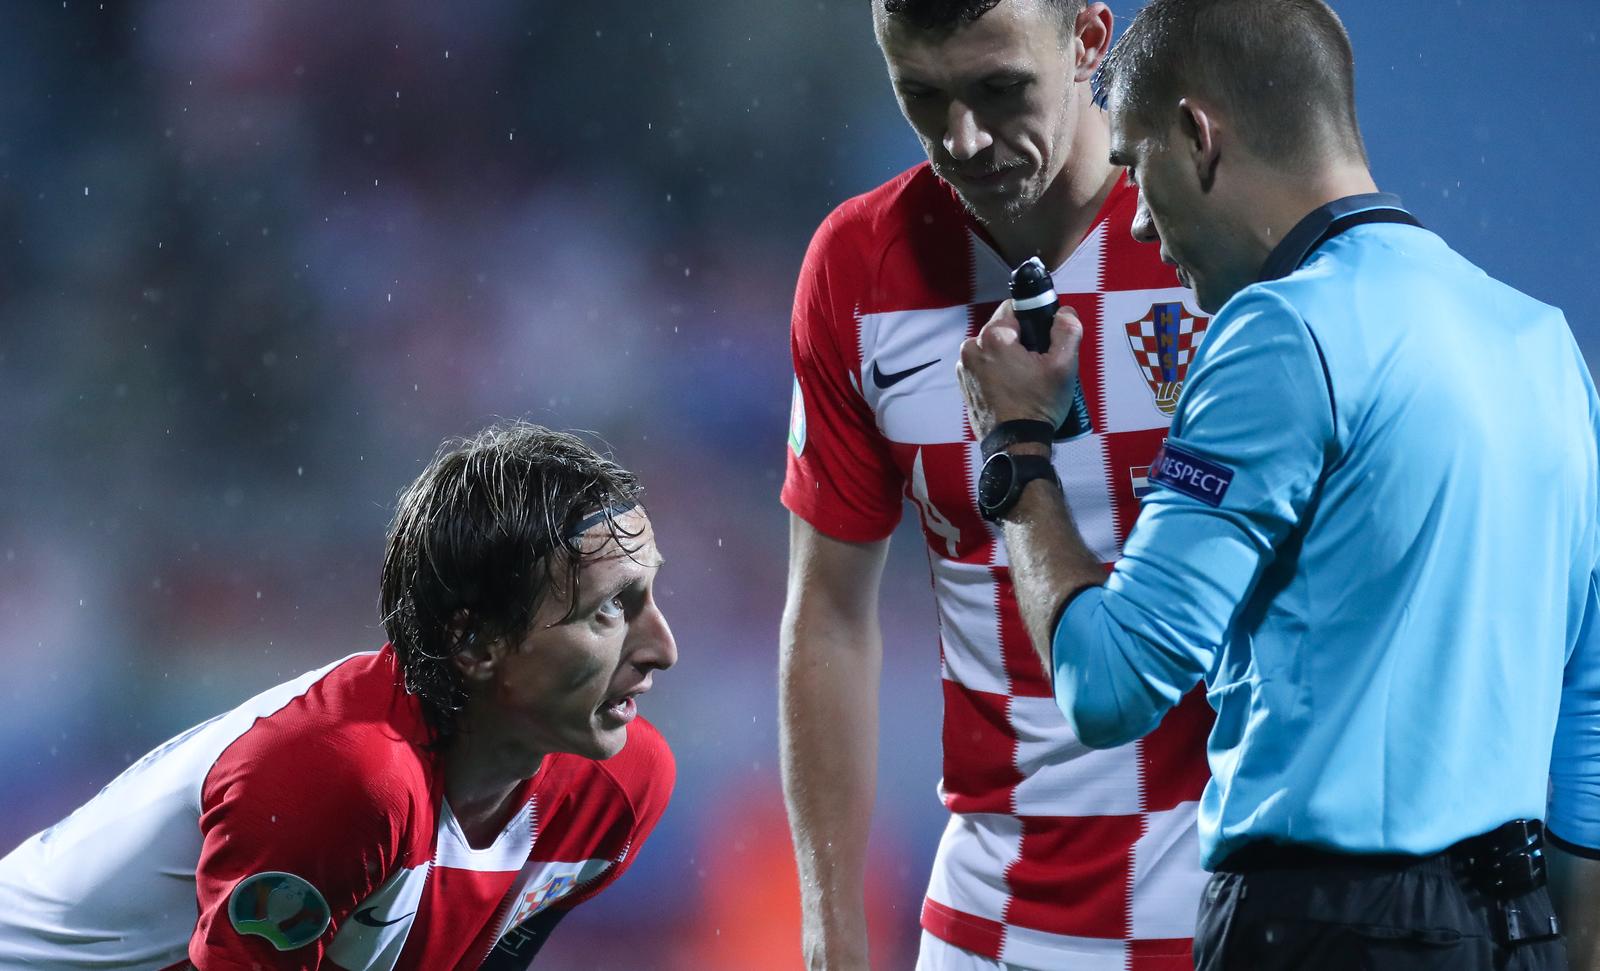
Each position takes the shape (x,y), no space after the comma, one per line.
(1315,229)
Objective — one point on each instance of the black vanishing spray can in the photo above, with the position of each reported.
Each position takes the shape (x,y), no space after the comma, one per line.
(1033,297)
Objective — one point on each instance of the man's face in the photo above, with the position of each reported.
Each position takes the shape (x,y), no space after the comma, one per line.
(992,101)
(1173,211)
(570,685)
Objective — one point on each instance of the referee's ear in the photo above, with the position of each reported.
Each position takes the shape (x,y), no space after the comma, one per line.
(1201,140)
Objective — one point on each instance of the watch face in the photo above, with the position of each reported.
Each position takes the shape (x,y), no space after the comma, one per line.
(994,482)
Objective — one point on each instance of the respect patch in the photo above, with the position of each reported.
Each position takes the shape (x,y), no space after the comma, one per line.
(1190,474)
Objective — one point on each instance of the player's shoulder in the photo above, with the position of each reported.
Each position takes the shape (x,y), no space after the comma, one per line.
(645,770)
(647,757)
(904,245)
(636,782)
(914,198)
(352,737)
(913,202)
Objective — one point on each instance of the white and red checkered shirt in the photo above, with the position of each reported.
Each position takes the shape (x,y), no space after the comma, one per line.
(325,782)
(1056,855)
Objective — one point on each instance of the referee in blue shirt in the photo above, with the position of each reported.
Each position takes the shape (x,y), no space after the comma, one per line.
(1374,533)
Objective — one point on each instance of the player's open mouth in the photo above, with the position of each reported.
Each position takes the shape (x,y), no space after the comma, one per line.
(622,708)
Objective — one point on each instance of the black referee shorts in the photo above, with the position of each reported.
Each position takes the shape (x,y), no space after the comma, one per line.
(1351,913)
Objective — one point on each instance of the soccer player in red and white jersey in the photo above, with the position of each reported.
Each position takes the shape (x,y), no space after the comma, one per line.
(438,804)
(1056,856)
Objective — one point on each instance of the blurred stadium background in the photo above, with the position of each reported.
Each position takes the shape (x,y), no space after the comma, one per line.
(258,257)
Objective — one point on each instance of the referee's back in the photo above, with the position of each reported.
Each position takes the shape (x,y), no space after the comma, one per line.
(1412,644)
(1375,534)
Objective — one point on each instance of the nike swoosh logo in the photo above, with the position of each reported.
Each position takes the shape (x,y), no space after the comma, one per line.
(890,380)
(366,916)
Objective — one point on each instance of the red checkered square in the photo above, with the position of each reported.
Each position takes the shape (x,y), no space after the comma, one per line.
(1073,875)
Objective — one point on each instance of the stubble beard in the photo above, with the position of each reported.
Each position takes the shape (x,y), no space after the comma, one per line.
(1010,210)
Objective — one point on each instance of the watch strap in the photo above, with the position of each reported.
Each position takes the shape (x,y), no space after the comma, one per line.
(1024,469)
(1029,467)
(1009,433)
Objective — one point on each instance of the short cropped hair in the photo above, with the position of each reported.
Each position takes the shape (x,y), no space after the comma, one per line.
(475,545)
(1283,69)
(947,15)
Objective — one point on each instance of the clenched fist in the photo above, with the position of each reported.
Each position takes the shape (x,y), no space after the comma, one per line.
(1002,380)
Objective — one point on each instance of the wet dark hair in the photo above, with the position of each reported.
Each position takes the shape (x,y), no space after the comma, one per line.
(1283,68)
(475,545)
(947,15)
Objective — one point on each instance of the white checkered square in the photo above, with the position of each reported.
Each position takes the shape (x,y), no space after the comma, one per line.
(972,856)
(964,594)
(1064,777)
(1166,882)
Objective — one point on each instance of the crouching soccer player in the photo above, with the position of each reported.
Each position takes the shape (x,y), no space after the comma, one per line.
(437,804)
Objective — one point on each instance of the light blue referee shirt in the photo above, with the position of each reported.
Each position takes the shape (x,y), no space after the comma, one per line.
(1375,537)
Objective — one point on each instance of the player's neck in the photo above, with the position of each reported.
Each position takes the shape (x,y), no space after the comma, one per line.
(481,776)
(1053,227)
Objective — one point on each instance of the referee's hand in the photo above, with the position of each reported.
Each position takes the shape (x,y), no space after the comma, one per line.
(1002,380)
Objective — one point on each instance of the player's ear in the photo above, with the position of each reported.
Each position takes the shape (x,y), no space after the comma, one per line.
(1093,35)
(472,653)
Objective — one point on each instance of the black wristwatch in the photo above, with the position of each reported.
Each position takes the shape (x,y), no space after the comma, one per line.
(1003,478)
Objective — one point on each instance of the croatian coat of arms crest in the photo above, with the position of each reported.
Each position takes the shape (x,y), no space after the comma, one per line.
(1164,341)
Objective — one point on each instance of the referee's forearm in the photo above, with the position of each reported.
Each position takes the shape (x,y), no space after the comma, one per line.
(1049,563)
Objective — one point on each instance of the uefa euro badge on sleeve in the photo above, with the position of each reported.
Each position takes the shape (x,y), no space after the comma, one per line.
(1164,341)
(797,420)
(281,907)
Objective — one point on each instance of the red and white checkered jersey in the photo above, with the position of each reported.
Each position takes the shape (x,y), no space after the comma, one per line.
(1056,855)
(325,780)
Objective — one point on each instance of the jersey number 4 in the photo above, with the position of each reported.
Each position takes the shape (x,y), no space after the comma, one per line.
(933,520)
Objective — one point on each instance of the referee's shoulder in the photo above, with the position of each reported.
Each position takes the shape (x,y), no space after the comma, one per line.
(1260,309)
